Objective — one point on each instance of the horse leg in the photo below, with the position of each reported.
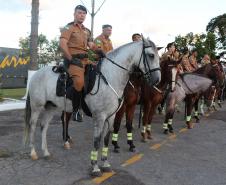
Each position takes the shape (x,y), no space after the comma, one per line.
(167,125)
(117,123)
(129,119)
(47,117)
(189,105)
(150,116)
(202,106)
(66,138)
(99,122)
(197,110)
(106,167)
(144,121)
(33,123)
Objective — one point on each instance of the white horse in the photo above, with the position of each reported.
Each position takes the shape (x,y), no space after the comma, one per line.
(116,68)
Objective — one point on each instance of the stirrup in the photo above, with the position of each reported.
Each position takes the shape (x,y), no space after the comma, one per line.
(77,116)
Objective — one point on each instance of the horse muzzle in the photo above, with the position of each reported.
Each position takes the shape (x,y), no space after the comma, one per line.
(153,77)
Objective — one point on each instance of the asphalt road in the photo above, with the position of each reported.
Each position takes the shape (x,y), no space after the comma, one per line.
(189,157)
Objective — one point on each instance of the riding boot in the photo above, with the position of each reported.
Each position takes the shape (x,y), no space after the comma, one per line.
(77,114)
(75,96)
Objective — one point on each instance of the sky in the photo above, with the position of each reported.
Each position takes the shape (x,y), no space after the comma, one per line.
(160,20)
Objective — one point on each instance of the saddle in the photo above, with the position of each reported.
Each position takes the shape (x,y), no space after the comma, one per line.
(65,83)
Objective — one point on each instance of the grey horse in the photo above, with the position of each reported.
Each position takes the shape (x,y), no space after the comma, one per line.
(116,68)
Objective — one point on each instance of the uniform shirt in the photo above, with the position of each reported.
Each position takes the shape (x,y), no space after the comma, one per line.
(186,64)
(77,37)
(204,62)
(103,43)
(193,63)
(167,55)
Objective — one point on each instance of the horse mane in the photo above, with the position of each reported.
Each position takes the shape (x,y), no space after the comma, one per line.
(115,52)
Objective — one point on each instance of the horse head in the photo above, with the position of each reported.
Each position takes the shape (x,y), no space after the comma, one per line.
(217,72)
(170,72)
(149,62)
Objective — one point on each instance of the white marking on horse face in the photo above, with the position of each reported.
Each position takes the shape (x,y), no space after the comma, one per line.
(174,74)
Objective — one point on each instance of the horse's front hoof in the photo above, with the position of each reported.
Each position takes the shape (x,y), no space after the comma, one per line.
(219,104)
(106,169)
(47,157)
(67,145)
(149,135)
(132,149)
(197,120)
(189,125)
(70,140)
(34,157)
(96,173)
(166,131)
(144,137)
(116,150)
(170,128)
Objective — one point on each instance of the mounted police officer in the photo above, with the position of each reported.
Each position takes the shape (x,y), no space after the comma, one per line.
(193,59)
(136,37)
(170,53)
(103,41)
(74,40)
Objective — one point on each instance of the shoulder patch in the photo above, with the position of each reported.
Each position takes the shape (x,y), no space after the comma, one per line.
(65,28)
(98,41)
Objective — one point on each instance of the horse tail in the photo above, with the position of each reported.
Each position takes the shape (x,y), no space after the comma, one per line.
(27,120)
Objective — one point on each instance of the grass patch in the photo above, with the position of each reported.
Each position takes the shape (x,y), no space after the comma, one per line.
(12,93)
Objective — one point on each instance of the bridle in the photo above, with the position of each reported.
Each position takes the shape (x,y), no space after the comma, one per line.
(148,70)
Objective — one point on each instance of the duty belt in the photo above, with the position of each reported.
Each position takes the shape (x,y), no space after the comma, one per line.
(80,56)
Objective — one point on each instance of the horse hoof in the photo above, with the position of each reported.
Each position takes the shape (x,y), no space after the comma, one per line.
(67,145)
(165,131)
(171,131)
(70,140)
(47,157)
(144,140)
(34,157)
(116,150)
(132,149)
(189,125)
(96,173)
(149,137)
(106,169)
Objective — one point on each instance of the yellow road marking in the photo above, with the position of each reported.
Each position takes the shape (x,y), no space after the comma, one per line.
(173,136)
(105,176)
(132,160)
(183,130)
(158,145)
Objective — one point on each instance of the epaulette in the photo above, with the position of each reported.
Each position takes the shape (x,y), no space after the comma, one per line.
(67,26)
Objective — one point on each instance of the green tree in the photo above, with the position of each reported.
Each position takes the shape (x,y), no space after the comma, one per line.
(47,50)
(217,25)
(203,43)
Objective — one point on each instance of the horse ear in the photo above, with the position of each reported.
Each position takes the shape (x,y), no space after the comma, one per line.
(142,37)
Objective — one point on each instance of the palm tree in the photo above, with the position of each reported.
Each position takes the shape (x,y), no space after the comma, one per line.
(218,26)
(34,35)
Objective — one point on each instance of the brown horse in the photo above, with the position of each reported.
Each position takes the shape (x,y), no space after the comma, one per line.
(193,99)
(151,97)
(190,86)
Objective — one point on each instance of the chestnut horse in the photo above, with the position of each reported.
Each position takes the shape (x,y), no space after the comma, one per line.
(150,98)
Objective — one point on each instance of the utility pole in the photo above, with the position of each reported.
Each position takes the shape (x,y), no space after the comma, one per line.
(92,17)
(34,35)
(93,13)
